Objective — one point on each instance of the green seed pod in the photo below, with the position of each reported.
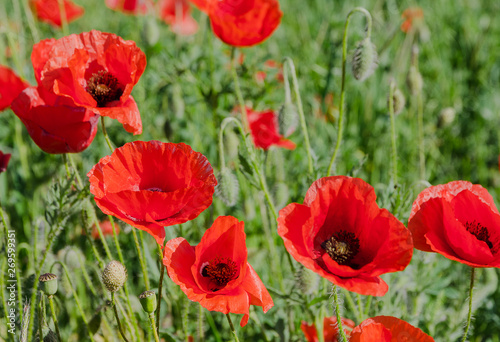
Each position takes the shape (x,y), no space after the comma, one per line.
(114,276)
(306,280)
(228,187)
(414,80)
(150,31)
(148,301)
(398,101)
(364,60)
(48,283)
(288,119)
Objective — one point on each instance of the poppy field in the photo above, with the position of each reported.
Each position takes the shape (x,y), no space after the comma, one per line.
(249,170)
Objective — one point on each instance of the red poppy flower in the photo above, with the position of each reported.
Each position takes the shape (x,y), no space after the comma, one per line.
(95,70)
(134,7)
(53,123)
(177,14)
(264,129)
(216,273)
(341,234)
(330,329)
(387,329)
(244,22)
(11,86)
(458,220)
(411,14)
(49,11)
(4,161)
(106,228)
(151,184)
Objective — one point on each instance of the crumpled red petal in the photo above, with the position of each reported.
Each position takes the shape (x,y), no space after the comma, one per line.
(11,86)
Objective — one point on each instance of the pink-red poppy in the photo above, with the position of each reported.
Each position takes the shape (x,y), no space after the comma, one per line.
(411,16)
(4,161)
(330,329)
(11,86)
(341,234)
(216,272)
(54,123)
(134,7)
(94,70)
(152,184)
(49,11)
(177,14)
(387,329)
(458,220)
(264,130)
(242,22)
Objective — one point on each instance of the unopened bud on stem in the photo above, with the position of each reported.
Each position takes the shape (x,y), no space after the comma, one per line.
(364,60)
(114,276)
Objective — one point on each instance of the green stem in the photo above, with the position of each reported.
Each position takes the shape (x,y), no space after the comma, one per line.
(153,325)
(117,317)
(342,335)
(394,152)
(232,328)
(162,272)
(367,306)
(77,175)
(144,267)
(105,133)
(342,88)
(54,317)
(41,317)
(300,108)
(31,21)
(351,303)
(469,316)
(420,118)
(239,95)
(201,337)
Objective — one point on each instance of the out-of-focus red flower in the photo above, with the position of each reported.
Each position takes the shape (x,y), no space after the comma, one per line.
(243,22)
(387,329)
(264,130)
(4,161)
(54,123)
(134,7)
(11,86)
(411,15)
(330,329)
(106,228)
(260,77)
(152,184)
(49,11)
(216,273)
(341,234)
(177,14)
(458,220)
(94,70)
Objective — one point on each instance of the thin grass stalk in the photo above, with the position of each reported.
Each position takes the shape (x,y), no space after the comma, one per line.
(64,19)
(201,337)
(352,304)
(144,267)
(105,133)
(41,317)
(184,316)
(239,95)
(31,20)
(162,272)
(394,153)
(2,293)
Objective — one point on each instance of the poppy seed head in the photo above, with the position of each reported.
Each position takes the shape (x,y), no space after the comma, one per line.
(114,276)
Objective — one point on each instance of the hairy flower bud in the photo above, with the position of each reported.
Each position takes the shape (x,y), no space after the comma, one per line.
(306,280)
(398,101)
(114,276)
(288,119)
(228,187)
(414,80)
(364,60)
(148,301)
(48,283)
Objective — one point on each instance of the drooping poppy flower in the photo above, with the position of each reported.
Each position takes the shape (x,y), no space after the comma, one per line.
(134,7)
(49,11)
(411,15)
(106,228)
(177,14)
(11,85)
(216,273)
(152,184)
(330,329)
(458,220)
(264,130)
(244,22)
(387,329)
(4,161)
(54,123)
(341,234)
(95,70)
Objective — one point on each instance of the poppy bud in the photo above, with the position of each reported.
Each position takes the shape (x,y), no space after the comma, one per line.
(48,283)
(398,101)
(70,257)
(150,32)
(114,276)
(148,301)
(306,280)
(288,119)
(364,60)
(414,80)
(281,194)
(228,187)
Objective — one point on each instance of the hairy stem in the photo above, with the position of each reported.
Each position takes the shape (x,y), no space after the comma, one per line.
(469,316)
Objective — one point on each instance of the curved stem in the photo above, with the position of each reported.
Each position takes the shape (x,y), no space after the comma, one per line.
(300,108)
(54,317)
(153,325)
(394,152)
(117,317)
(105,133)
(232,328)
(239,95)
(469,316)
(342,335)
(342,88)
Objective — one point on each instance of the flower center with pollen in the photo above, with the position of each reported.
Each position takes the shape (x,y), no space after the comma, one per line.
(104,88)
(220,271)
(480,232)
(342,247)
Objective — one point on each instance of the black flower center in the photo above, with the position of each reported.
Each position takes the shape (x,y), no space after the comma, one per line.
(220,271)
(342,247)
(104,88)
(155,189)
(479,231)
